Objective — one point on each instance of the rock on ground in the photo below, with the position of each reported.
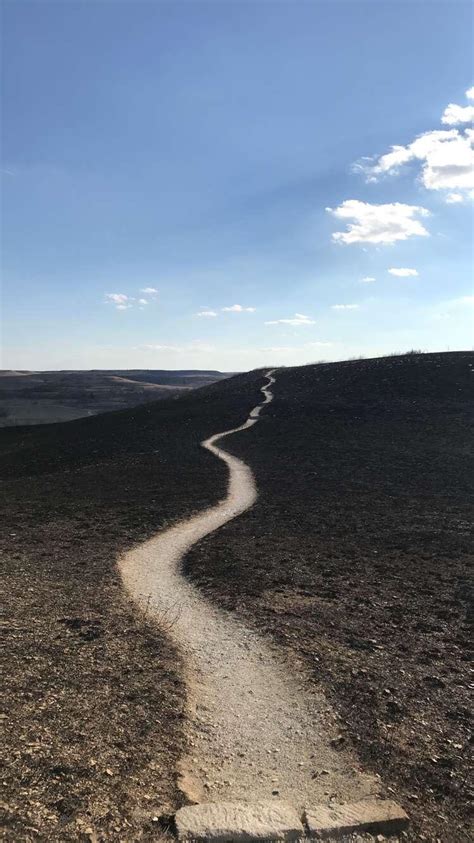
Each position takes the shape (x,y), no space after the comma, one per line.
(238,821)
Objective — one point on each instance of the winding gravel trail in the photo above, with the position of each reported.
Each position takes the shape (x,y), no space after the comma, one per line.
(256,727)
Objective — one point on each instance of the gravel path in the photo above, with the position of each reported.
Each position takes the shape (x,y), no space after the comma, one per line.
(256,727)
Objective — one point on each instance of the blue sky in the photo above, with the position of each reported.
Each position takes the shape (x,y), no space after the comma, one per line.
(234,155)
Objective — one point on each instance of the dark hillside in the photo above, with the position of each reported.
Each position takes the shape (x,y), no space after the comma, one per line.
(94,700)
(358,557)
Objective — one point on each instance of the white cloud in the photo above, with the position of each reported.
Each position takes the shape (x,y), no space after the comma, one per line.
(345,306)
(454,114)
(209,314)
(402,271)
(151,291)
(238,308)
(125,302)
(446,155)
(378,223)
(454,198)
(120,300)
(367,279)
(297,320)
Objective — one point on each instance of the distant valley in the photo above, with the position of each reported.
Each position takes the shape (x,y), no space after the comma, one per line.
(28,398)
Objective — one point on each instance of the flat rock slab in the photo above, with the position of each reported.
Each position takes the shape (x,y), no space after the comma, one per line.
(377,816)
(238,821)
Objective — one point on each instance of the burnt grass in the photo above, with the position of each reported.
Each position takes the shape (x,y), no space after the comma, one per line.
(357,559)
(93,697)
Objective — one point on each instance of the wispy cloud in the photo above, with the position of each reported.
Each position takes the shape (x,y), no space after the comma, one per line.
(403,271)
(380,224)
(206,313)
(368,279)
(196,346)
(238,308)
(297,320)
(345,306)
(122,301)
(117,298)
(158,347)
(234,308)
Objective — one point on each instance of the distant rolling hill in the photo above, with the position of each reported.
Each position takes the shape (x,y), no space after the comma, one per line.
(28,398)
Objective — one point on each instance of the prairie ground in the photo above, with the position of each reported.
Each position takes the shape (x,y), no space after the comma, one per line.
(93,705)
(357,558)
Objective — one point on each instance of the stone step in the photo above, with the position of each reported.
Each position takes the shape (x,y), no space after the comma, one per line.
(372,816)
(238,821)
(224,822)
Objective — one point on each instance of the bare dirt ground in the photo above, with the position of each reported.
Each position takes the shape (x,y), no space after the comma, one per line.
(357,558)
(93,695)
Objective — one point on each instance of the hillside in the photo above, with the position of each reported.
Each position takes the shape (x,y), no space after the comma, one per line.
(357,558)
(94,702)
(46,397)
(354,559)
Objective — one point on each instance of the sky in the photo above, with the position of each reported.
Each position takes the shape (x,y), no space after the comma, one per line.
(237,184)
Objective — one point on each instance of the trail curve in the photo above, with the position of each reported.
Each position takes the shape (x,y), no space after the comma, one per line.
(256,728)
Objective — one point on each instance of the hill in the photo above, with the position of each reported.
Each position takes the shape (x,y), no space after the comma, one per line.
(45,397)
(355,559)
(94,703)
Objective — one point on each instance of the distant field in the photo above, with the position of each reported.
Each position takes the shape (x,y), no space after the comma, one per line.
(44,397)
